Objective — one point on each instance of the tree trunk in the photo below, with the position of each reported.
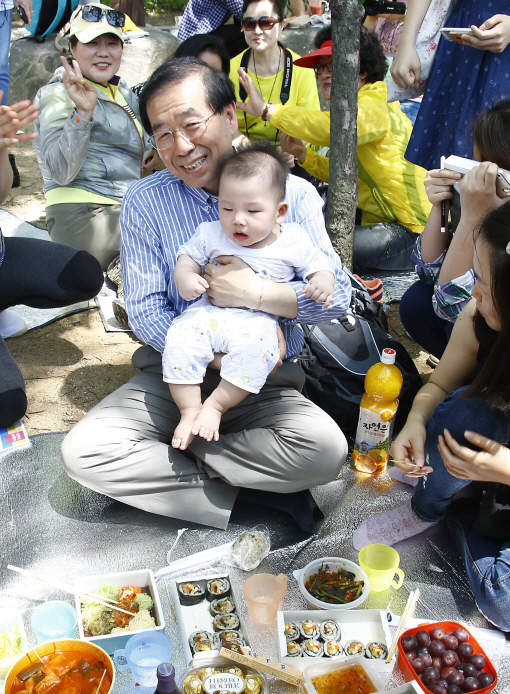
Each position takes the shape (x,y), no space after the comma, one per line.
(346,18)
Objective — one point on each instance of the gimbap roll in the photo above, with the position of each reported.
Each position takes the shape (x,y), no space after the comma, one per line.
(225,621)
(312,649)
(332,649)
(291,631)
(217,588)
(201,646)
(376,650)
(197,636)
(354,647)
(309,629)
(330,630)
(190,593)
(227,635)
(222,606)
(293,649)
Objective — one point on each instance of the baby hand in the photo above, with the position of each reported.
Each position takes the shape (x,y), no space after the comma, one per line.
(320,287)
(191,286)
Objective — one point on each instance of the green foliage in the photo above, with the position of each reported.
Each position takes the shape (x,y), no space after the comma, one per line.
(165,5)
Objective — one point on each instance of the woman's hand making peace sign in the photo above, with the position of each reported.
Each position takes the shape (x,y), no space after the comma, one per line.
(82,93)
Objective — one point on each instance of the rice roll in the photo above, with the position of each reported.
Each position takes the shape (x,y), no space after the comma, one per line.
(376,650)
(201,646)
(228,635)
(291,631)
(222,606)
(225,621)
(354,648)
(217,588)
(190,593)
(313,648)
(330,630)
(197,636)
(309,629)
(294,649)
(332,649)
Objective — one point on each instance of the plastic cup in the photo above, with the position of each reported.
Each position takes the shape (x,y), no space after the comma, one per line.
(52,620)
(316,7)
(143,653)
(381,563)
(264,595)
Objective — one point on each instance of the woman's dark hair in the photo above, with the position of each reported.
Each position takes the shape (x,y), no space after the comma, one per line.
(194,45)
(323,35)
(73,40)
(257,159)
(218,89)
(491,132)
(371,57)
(277,7)
(492,383)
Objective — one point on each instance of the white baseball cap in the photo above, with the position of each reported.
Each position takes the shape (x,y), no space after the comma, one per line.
(87,30)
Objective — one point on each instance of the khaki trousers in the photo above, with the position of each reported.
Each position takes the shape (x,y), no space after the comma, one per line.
(275,440)
(87,226)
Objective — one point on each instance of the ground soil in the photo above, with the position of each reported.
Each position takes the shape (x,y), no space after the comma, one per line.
(72,364)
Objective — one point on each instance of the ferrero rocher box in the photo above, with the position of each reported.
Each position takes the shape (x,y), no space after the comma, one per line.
(219,674)
(247,658)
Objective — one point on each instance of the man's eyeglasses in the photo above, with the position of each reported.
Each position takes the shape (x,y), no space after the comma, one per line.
(319,69)
(265,23)
(164,139)
(92,13)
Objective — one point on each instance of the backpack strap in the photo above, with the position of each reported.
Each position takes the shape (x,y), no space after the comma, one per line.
(288,66)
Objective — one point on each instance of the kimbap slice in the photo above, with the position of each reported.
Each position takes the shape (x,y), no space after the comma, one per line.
(313,648)
(217,588)
(205,645)
(376,650)
(197,636)
(291,631)
(190,593)
(330,630)
(294,649)
(354,647)
(222,606)
(225,621)
(332,649)
(309,629)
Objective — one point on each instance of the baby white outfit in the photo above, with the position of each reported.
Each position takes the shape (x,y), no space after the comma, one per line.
(247,338)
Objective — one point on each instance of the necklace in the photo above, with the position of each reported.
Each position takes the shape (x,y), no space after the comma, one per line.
(275,77)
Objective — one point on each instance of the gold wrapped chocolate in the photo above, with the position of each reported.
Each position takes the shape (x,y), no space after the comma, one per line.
(234,670)
(205,672)
(253,685)
(192,685)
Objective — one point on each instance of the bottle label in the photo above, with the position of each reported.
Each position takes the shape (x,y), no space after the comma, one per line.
(224,682)
(372,443)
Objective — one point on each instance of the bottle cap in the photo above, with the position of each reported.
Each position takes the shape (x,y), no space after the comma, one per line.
(388,356)
(166,677)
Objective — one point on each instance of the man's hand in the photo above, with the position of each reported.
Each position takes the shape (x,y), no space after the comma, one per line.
(190,285)
(320,287)
(492,464)
(293,146)
(493,35)
(14,118)
(232,283)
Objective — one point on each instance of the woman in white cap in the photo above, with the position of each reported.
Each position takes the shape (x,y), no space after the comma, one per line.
(90,143)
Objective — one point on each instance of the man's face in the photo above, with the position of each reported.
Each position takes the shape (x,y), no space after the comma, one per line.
(183,104)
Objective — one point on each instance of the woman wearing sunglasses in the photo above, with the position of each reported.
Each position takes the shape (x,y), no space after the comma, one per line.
(271,67)
(90,142)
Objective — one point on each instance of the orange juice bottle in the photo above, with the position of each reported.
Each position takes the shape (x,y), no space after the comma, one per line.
(378,407)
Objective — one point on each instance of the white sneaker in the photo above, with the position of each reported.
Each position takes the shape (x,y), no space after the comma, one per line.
(389,528)
(11,325)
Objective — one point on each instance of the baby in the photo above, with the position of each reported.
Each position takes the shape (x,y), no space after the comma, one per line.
(251,226)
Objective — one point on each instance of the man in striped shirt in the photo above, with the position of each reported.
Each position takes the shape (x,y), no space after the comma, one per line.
(275,442)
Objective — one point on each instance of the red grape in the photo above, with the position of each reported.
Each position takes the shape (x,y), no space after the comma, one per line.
(450,641)
(437,648)
(430,675)
(437,633)
(450,658)
(422,650)
(427,659)
(468,669)
(485,678)
(478,661)
(418,665)
(409,643)
(447,671)
(411,656)
(456,677)
(453,689)
(438,688)
(423,638)
(464,651)
(461,635)
(471,684)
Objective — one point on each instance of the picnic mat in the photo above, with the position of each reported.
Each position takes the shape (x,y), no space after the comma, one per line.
(395,284)
(53,527)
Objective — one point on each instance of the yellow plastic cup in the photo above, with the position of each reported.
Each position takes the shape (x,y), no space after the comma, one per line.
(381,563)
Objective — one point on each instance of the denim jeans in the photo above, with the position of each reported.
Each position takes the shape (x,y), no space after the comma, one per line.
(5,40)
(421,321)
(487,561)
(383,246)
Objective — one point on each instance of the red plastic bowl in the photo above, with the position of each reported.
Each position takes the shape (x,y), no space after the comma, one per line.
(407,668)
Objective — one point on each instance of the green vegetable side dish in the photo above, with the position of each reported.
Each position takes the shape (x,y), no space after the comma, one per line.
(335,587)
(10,643)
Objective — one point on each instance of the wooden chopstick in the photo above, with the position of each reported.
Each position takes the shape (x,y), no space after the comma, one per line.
(408,612)
(68,589)
(100,683)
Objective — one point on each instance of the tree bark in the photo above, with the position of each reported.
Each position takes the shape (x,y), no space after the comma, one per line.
(346,19)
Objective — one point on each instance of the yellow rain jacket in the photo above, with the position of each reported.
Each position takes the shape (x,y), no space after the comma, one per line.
(390,187)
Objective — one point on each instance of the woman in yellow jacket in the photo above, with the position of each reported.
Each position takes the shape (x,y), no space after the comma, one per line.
(392,200)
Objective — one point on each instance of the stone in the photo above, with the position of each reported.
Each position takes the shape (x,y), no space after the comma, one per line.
(32,64)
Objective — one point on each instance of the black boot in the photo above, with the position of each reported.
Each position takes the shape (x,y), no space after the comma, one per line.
(16,181)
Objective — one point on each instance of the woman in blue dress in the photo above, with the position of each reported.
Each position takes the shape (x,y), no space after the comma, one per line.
(465,80)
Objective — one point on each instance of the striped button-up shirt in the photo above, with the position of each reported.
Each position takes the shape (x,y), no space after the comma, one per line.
(160,213)
(204,16)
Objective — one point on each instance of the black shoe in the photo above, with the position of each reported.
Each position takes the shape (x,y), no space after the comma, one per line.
(16,180)
(300,505)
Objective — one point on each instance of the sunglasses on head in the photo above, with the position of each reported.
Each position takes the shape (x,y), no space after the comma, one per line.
(265,23)
(92,13)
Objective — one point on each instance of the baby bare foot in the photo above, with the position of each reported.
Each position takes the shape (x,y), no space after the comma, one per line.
(183,434)
(207,423)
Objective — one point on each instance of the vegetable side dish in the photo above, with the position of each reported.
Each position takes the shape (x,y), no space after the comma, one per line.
(336,587)
(63,672)
(348,680)
(99,620)
(10,643)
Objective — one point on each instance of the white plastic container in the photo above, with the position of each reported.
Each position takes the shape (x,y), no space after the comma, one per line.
(334,564)
(316,669)
(144,577)
(9,619)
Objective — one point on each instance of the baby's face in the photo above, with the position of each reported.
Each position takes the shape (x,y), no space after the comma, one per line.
(249,211)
